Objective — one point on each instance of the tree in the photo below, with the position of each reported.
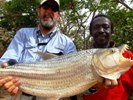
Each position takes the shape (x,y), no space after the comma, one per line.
(14,18)
(5,38)
(75,17)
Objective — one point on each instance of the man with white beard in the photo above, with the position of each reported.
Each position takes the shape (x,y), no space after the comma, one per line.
(43,38)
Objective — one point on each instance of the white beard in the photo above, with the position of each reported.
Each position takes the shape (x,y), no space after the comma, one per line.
(47,24)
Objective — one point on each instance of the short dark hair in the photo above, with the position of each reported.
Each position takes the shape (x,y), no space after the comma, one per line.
(102,15)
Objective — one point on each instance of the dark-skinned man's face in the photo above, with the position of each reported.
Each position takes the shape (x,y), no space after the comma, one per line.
(101,30)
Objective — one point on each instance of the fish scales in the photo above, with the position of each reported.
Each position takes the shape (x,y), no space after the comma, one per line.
(34,71)
(70,74)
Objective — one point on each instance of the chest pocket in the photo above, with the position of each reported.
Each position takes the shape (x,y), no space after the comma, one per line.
(28,54)
(55,51)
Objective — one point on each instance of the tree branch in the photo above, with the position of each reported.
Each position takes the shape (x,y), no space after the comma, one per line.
(124,4)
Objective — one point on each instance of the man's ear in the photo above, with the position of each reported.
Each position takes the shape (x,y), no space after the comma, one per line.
(58,16)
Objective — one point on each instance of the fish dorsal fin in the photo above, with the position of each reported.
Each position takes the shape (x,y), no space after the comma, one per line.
(46,55)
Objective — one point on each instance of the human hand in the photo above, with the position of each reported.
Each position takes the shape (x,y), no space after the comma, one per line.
(9,83)
(10,62)
(4,65)
(106,83)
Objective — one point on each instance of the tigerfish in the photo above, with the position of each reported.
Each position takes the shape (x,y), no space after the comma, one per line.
(70,74)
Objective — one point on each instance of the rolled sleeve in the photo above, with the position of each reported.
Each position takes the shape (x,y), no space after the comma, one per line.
(15,48)
(70,48)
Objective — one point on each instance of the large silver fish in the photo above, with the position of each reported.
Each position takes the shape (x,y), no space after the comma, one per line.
(69,74)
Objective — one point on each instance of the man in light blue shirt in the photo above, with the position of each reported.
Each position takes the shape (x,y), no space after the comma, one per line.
(27,41)
(44,38)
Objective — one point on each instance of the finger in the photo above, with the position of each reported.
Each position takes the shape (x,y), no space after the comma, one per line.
(11,88)
(108,83)
(8,84)
(14,82)
(5,80)
(100,83)
(4,65)
(12,85)
(101,80)
(17,83)
(15,91)
(114,83)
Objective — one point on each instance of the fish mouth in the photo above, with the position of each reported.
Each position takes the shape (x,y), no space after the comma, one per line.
(111,60)
(123,50)
(113,65)
(117,58)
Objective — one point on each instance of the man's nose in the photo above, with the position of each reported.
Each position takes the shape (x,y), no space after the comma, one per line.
(101,29)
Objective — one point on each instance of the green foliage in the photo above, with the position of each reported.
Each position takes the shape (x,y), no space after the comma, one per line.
(123,21)
(19,13)
(75,16)
(79,42)
(5,39)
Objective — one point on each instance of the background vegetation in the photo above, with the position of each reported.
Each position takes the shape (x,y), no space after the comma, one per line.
(74,21)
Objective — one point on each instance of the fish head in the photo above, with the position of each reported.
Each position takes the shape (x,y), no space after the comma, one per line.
(110,63)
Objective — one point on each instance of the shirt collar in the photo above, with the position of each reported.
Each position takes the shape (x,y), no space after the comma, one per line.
(50,34)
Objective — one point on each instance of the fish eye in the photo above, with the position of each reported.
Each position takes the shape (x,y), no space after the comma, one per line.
(112,50)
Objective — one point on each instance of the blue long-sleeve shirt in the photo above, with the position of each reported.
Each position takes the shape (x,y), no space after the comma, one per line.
(25,43)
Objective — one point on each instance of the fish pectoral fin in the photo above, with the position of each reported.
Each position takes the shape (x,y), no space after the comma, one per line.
(46,55)
(53,98)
